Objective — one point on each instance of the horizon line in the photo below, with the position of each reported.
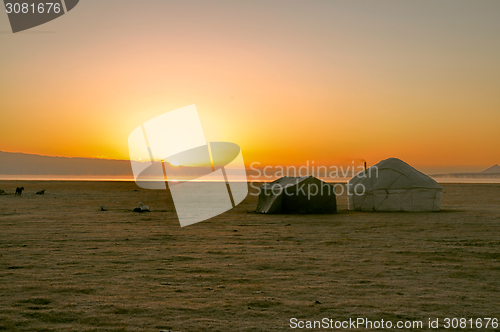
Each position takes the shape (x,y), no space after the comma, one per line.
(361,161)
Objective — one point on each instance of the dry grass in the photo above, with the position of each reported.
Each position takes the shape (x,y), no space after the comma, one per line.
(66,266)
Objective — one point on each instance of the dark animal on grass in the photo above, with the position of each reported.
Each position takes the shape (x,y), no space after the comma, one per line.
(41,192)
(19,191)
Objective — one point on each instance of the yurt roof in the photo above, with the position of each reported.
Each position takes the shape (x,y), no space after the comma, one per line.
(394,173)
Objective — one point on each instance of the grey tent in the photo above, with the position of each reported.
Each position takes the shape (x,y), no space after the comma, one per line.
(393,185)
(297,195)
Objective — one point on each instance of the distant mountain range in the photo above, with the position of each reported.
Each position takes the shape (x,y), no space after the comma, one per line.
(492,172)
(13,164)
(19,164)
(495,169)
(32,164)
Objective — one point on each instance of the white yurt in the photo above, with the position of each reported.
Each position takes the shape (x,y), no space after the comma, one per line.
(393,185)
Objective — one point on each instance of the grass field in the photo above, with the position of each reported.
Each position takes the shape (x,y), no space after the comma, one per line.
(67,266)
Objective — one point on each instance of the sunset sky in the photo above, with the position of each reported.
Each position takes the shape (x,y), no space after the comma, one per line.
(288,81)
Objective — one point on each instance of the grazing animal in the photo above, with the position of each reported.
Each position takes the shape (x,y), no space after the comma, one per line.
(2,192)
(19,191)
(41,192)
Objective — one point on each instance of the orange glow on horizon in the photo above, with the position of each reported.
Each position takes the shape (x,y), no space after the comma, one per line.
(329,83)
